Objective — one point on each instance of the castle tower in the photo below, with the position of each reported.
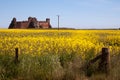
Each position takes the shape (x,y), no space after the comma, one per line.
(48,20)
(12,24)
(29,19)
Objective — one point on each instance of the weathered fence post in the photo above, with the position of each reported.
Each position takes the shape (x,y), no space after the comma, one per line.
(16,55)
(104,64)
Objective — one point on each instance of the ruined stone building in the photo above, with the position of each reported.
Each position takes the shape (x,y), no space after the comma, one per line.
(32,22)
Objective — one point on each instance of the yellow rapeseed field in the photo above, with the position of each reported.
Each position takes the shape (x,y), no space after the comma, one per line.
(37,42)
(56,54)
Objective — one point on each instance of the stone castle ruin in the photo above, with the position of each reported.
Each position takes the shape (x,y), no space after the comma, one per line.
(31,23)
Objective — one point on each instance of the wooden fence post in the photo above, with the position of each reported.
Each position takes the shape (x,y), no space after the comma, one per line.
(104,64)
(16,55)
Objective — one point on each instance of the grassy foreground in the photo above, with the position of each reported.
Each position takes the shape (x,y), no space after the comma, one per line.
(56,55)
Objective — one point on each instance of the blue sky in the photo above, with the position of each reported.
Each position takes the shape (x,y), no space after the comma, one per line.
(73,13)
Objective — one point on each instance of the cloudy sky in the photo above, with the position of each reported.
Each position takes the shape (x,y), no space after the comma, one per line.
(73,13)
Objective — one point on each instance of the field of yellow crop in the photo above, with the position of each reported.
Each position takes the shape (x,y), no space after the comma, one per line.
(42,51)
(56,42)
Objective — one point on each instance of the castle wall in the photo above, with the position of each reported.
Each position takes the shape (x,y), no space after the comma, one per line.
(18,25)
(24,24)
(31,21)
(44,24)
